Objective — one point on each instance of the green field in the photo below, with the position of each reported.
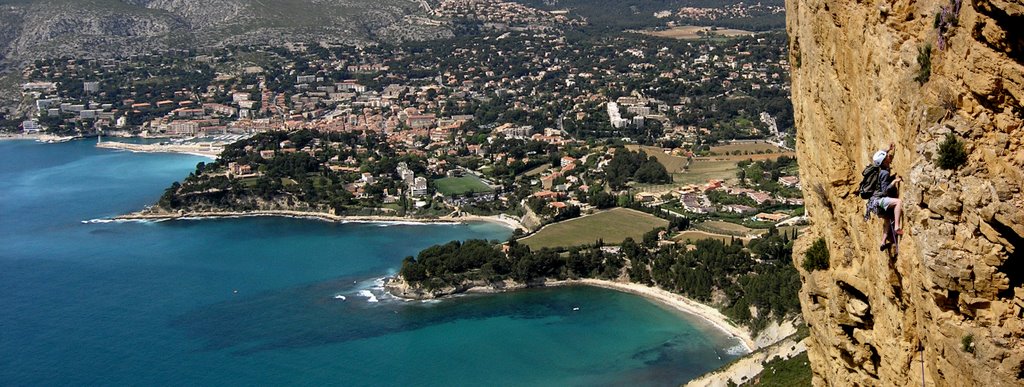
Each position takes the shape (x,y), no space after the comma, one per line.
(697,32)
(672,164)
(537,171)
(460,185)
(719,227)
(703,170)
(693,236)
(748,147)
(612,226)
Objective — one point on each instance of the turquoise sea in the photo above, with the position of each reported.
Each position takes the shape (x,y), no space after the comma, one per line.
(258,301)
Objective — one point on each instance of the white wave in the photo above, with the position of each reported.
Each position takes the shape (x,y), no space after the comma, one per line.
(206,217)
(376,283)
(108,220)
(737,350)
(370,297)
(99,221)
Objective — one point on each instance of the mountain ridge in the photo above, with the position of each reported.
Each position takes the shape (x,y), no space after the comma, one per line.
(49,28)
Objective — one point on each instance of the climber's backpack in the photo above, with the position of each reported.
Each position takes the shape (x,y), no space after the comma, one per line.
(869,185)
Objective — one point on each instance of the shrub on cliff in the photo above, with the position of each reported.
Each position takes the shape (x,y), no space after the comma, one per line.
(967,343)
(924,60)
(951,153)
(816,257)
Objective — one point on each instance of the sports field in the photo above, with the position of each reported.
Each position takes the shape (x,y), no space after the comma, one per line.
(460,185)
(612,226)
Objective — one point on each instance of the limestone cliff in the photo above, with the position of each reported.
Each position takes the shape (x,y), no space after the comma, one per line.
(947,310)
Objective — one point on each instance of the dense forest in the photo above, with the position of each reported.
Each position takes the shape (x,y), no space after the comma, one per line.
(753,285)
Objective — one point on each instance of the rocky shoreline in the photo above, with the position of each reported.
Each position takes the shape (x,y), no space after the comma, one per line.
(204,150)
(324,216)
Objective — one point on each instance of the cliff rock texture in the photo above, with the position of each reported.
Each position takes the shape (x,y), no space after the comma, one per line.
(948,309)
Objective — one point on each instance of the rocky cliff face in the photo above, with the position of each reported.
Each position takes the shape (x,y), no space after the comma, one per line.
(947,310)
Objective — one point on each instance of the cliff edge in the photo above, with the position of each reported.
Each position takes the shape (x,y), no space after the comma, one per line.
(948,309)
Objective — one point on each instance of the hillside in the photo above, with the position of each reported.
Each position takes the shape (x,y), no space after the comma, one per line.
(946,309)
(46,28)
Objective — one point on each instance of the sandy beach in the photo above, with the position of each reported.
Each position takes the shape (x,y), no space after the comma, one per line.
(503,220)
(712,316)
(676,301)
(747,368)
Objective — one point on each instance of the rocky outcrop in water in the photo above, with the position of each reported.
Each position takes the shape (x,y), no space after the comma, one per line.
(948,309)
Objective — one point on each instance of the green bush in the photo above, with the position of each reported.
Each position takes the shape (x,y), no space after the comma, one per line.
(816,257)
(951,153)
(967,343)
(924,60)
(793,372)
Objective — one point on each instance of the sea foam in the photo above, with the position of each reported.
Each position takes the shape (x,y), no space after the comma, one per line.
(737,350)
(109,220)
(99,221)
(370,297)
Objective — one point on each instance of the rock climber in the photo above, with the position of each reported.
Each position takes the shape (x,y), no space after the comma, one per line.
(885,201)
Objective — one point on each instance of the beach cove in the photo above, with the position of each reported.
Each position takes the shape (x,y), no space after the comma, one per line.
(270,299)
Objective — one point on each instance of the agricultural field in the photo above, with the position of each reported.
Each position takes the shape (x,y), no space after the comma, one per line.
(746,147)
(726,228)
(461,185)
(537,171)
(694,235)
(696,32)
(673,164)
(612,226)
(703,170)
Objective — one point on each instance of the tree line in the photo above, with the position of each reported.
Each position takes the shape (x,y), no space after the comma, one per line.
(753,285)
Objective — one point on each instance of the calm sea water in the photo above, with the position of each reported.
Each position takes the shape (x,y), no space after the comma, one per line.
(256,301)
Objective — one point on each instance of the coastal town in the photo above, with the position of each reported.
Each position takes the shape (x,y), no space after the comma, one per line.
(478,139)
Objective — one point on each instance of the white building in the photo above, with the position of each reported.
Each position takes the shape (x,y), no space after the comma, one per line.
(30,126)
(614,117)
(367,178)
(418,187)
(91,87)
